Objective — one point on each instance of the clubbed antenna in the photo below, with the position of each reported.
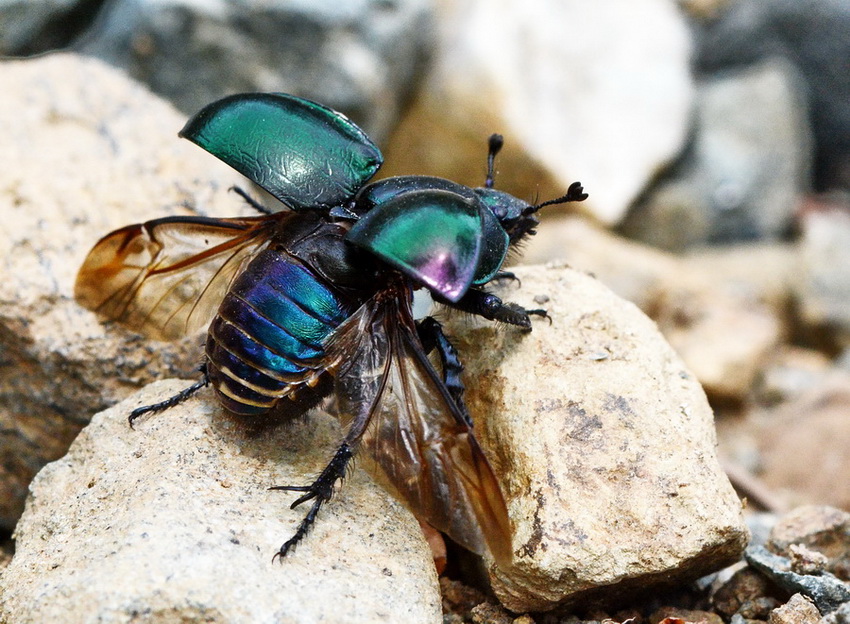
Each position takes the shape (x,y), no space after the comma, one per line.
(494,144)
(575,193)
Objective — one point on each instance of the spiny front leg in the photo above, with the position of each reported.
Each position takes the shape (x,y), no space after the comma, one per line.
(173,400)
(493,308)
(321,490)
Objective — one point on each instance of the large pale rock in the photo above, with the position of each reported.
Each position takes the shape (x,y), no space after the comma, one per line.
(606,446)
(599,92)
(173,522)
(84,151)
(723,311)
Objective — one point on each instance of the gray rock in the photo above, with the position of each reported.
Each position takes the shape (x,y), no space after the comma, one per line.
(791,372)
(827,591)
(743,174)
(605,444)
(173,521)
(813,35)
(840,616)
(574,86)
(359,57)
(22,21)
(85,151)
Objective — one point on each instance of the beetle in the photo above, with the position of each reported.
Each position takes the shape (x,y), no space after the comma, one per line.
(314,302)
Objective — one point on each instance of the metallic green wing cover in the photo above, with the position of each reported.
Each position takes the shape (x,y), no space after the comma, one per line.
(305,154)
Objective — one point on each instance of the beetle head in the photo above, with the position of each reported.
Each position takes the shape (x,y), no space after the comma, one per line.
(517,217)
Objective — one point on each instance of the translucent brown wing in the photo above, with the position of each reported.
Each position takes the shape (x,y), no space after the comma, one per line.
(166,277)
(398,410)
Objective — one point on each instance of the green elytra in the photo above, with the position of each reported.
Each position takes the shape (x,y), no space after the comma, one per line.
(307,155)
(311,157)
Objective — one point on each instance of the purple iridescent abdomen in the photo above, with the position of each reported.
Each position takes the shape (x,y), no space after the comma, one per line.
(269,331)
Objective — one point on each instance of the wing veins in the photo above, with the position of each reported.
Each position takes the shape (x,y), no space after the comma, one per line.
(205,255)
(206,287)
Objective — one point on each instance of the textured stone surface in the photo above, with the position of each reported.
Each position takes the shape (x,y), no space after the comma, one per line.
(824,529)
(744,590)
(173,521)
(798,610)
(359,56)
(595,92)
(606,446)
(84,151)
(827,591)
(840,616)
(723,311)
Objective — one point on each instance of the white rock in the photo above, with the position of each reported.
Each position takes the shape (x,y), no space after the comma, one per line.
(173,521)
(596,92)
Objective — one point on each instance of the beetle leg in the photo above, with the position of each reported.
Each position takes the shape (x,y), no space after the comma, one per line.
(432,337)
(250,200)
(173,400)
(493,308)
(320,491)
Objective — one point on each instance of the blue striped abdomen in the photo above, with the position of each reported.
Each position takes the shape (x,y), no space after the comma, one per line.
(269,331)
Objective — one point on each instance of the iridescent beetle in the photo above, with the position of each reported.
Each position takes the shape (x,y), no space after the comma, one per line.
(315,301)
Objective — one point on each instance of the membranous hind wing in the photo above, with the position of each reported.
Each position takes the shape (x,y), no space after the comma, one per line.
(397,409)
(166,277)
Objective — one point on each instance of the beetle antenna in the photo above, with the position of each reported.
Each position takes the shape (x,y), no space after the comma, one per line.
(494,144)
(575,193)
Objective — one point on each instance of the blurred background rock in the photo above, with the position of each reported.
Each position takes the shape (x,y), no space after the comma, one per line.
(712,135)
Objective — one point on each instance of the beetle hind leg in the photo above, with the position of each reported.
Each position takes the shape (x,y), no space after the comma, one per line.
(262,209)
(320,491)
(431,334)
(173,400)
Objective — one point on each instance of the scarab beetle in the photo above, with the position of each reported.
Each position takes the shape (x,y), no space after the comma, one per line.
(314,301)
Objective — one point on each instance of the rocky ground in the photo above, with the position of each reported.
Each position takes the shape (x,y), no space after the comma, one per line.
(672,444)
